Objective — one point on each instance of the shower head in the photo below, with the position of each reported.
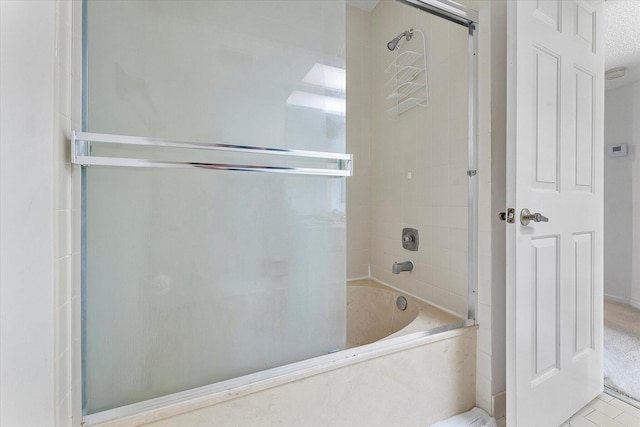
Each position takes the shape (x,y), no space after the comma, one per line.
(393,44)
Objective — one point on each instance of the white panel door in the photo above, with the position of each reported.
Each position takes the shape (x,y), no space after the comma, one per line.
(554,167)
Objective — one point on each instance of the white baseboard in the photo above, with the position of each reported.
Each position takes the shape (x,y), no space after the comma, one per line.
(613,298)
(626,301)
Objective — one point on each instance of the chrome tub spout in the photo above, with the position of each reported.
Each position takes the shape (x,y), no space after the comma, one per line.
(401,266)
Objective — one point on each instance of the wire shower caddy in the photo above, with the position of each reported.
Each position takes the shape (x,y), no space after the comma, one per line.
(408,78)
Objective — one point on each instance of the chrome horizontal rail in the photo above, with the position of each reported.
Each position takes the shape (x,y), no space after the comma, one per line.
(143,163)
(156,142)
(81,155)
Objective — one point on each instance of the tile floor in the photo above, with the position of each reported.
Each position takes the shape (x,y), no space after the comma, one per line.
(605,411)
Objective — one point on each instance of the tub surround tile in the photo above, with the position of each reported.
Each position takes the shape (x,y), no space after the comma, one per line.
(441,297)
(459,303)
(420,142)
(483,392)
(498,404)
(63,233)
(63,186)
(457,262)
(358,130)
(484,333)
(62,328)
(63,280)
(63,412)
(460,284)
(413,287)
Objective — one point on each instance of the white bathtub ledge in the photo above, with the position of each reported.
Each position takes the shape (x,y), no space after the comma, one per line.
(203,397)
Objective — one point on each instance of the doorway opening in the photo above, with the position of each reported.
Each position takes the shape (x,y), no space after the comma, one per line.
(622,202)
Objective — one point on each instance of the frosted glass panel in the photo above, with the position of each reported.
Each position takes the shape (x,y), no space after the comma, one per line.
(197,276)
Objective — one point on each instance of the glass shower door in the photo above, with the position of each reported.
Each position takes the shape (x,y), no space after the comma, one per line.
(199,274)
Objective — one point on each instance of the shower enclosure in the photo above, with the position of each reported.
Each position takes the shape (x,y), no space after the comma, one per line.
(234,271)
(216,171)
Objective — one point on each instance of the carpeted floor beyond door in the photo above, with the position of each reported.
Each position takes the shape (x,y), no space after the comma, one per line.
(622,349)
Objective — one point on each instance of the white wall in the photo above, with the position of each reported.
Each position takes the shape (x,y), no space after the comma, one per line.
(39,202)
(497,187)
(26,213)
(635,249)
(622,197)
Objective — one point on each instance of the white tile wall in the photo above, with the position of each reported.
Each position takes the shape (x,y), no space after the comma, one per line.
(493,189)
(358,141)
(430,144)
(67,212)
(63,212)
(484,366)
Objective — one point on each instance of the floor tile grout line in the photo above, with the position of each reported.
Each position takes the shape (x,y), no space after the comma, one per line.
(591,416)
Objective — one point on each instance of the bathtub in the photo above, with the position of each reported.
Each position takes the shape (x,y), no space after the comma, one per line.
(401,367)
(373,314)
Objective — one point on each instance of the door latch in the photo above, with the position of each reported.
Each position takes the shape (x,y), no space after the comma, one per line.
(509,216)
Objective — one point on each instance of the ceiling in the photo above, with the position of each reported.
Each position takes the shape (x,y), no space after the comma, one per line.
(622,40)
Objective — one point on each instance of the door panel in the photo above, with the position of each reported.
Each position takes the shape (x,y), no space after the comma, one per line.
(585,18)
(548,12)
(584,290)
(545,305)
(547,118)
(584,137)
(554,269)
